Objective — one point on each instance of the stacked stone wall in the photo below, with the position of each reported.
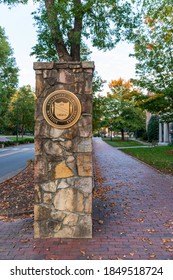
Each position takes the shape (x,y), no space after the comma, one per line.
(63,157)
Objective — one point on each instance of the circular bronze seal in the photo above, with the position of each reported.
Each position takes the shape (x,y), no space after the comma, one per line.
(61,109)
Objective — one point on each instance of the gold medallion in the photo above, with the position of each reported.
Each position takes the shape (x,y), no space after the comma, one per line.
(61,109)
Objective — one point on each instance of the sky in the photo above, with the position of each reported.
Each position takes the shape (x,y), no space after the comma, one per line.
(21,32)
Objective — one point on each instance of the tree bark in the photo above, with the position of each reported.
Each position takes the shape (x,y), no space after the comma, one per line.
(76,32)
(122,134)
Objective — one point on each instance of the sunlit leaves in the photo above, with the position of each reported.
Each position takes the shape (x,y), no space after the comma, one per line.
(64,25)
(8,75)
(117,111)
(153,50)
(22,105)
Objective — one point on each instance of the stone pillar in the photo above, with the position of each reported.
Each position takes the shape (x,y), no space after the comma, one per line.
(166,139)
(63,154)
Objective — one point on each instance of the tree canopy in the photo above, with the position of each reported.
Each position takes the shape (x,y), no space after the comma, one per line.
(154,53)
(21,111)
(117,110)
(63,26)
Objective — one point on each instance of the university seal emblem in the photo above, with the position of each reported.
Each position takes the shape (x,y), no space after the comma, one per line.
(61,109)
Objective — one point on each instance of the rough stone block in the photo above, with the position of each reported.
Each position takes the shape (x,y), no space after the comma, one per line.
(71,220)
(69,199)
(41,212)
(88,204)
(62,171)
(37,194)
(43,65)
(47,198)
(40,170)
(63,184)
(84,184)
(53,149)
(88,64)
(58,215)
(85,126)
(49,186)
(84,146)
(65,232)
(84,164)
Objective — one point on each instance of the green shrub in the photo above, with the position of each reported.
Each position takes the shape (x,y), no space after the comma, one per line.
(6,143)
(20,141)
(26,140)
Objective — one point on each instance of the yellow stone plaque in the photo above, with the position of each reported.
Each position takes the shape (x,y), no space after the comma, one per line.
(61,109)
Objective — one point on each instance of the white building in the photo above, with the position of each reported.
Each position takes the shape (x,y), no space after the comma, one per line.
(165,133)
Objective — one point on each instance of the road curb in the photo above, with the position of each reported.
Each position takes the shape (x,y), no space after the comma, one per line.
(6,180)
(16,214)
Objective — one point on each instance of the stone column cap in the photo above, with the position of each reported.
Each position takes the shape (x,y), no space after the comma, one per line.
(65,64)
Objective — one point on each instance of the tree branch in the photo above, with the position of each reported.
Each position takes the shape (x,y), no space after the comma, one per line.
(56,32)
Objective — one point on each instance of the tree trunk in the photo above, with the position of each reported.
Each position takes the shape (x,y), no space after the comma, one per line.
(56,32)
(122,134)
(74,35)
(111,135)
(76,32)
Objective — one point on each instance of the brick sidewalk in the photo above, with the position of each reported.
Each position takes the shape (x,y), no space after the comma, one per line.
(132,220)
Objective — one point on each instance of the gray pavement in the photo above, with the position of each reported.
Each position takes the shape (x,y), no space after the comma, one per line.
(14,159)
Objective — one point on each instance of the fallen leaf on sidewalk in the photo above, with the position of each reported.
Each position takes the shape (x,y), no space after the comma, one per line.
(167,240)
(112,204)
(147,240)
(24,240)
(17,194)
(151,230)
(82,252)
(141,220)
(169,248)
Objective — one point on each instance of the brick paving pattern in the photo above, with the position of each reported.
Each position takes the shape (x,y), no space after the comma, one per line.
(133,219)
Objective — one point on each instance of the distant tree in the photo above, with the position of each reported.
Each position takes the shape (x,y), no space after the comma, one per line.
(21,111)
(97,87)
(128,117)
(8,76)
(153,128)
(117,110)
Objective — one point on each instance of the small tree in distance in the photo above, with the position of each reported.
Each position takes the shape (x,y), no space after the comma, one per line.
(21,111)
(128,117)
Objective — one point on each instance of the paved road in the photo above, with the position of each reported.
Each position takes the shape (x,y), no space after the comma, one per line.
(14,159)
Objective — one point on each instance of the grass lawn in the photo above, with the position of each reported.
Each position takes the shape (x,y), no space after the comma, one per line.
(19,137)
(159,157)
(117,142)
(11,140)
